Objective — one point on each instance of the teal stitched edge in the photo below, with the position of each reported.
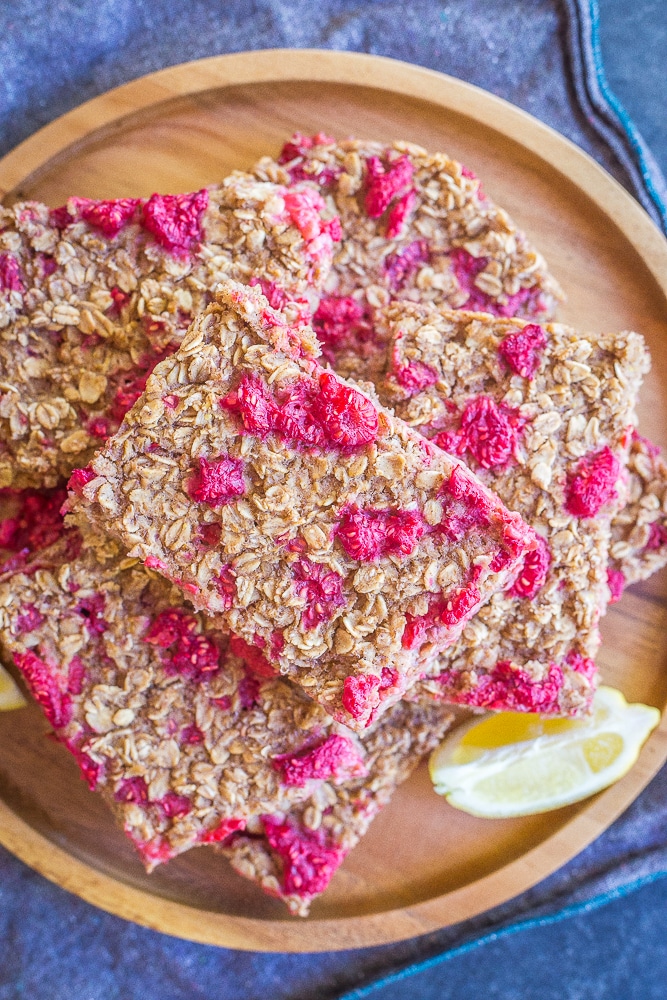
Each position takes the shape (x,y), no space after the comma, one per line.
(623,118)
(569,911)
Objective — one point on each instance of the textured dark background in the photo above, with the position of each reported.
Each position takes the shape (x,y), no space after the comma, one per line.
(53,55)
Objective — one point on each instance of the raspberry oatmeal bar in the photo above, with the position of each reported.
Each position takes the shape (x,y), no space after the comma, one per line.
(294,855)
(543,414)
(415,225)
(309,520)
(639,530)
(95,293)
(185,732)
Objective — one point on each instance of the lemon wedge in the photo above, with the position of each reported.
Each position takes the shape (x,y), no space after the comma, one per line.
(10,696)
(516,764)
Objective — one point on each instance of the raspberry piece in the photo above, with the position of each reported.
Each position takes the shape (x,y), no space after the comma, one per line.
(191,735)
(79,479)
(295,418)
(132,790)
(170,401)
(37,523)
(91,771)
(303,207)
(448,611)
(489,432)
(45,688)
(92,609)
(76,675)
(383,185)
(336,758)
(252,656)
(361,694)
(404,529)
(582,664)
(120,300)
(399,213)
(196,657)
(616,582)
(349,419)
(109,216)
(170,625)
(533,572)
(28,619)
(520,350)
(254,404)
(459,607)
(322,589)
(222,831)
(657,537)
(226,585)
(402,266)
(309,862)
(248,690)
(465,508)
(415,376)
(99,428)
(10,274)
(342,322)
(219,482)
(173,806)
(593,484)
(509,689)
(175,220)
(362,534)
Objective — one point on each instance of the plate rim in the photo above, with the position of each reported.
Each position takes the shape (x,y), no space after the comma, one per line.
(104,114)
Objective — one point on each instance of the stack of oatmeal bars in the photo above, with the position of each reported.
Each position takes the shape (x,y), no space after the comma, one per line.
(331,469)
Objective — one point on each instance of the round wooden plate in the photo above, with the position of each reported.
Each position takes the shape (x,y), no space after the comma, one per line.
(423,865)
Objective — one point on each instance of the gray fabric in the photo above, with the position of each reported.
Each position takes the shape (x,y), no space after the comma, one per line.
(55,55)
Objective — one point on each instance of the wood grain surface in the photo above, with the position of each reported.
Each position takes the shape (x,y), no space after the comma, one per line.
(423,865)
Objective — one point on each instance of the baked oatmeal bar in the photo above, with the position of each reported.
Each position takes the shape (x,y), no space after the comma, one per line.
(415,225)
(639,530)
(185,732)
(543,414)
(307,519)
(94,293)
(294,855)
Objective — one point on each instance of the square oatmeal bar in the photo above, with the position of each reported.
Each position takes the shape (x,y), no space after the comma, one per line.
(186,734)
(302,515)
(294,855)
(94,294)
(544,416)
(415,225)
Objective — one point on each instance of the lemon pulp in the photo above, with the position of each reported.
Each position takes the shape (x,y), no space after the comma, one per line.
(515,764)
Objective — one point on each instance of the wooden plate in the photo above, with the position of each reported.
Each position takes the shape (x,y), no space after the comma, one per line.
(423,865)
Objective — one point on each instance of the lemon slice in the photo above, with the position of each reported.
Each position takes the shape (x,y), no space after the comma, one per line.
(10,696)
(516,764)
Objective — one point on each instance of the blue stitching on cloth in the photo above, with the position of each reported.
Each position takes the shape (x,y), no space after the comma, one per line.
(587,906)
(635,139)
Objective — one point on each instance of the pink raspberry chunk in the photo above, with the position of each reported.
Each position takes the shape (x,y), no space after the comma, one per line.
(175,220)
(521,350)
(593,484)
(336,758)
(45,688)
(367,535)
(361,694)
(534,571)
(309,862)
(322,589)
(385,184)
(218,482)
(10,274)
